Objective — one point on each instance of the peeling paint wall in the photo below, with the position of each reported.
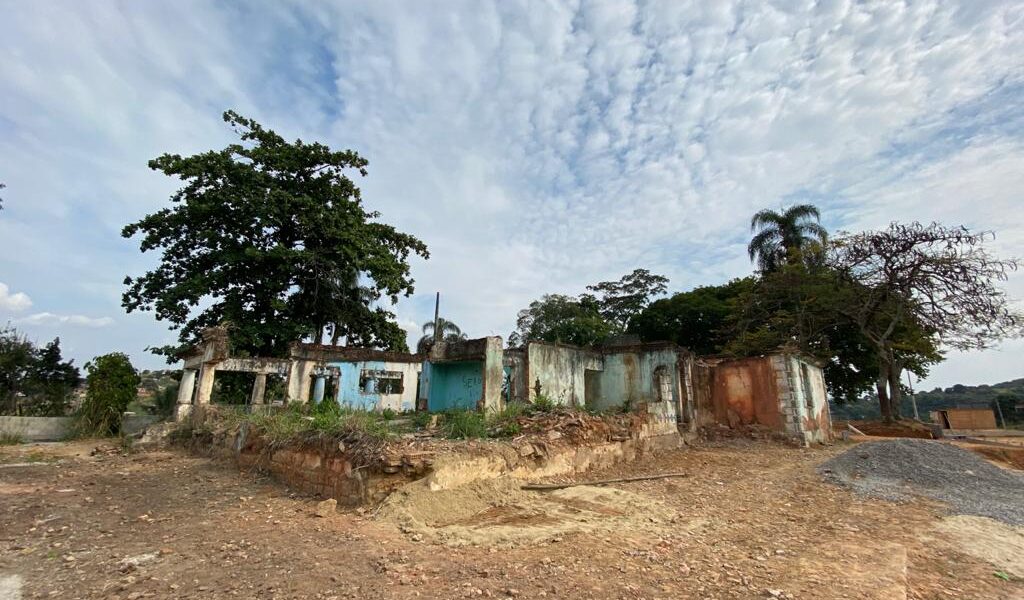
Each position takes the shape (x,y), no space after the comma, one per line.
(782,392)
(561,371)
(629,377)
(464,375)
(370,397)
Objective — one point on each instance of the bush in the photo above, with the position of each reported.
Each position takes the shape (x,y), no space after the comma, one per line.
(505,423)
(111,384)
(544,403)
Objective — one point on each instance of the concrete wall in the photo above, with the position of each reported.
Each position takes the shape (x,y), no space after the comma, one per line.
(455,385)
(782,392)
(54,429)
(464,375)
(629,377)
(803,399)
(351,395)
(561,370)
(37,429)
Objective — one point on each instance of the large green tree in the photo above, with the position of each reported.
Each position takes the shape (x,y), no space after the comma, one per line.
(785,237)
(619,302)
(564,319)
(699,319)
(272,237)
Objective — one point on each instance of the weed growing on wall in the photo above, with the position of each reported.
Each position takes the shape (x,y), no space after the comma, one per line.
(10,438)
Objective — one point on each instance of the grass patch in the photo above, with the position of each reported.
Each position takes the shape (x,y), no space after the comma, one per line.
(299,422)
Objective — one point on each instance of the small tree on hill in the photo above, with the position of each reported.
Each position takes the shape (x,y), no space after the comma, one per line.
(111,385)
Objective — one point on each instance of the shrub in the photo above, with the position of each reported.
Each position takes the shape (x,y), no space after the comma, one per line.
(111,384)
(505,423)
(544,403)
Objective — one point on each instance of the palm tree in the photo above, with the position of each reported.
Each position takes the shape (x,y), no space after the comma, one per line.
(450,332)
(796,229)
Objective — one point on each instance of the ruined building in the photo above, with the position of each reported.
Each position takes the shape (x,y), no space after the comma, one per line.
(783,393)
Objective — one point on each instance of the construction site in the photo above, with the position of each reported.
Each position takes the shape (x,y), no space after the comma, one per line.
(628,471)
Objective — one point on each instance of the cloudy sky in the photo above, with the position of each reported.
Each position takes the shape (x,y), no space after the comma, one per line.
(535,146)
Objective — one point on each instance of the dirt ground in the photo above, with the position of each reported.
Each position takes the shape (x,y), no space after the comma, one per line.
(750,520)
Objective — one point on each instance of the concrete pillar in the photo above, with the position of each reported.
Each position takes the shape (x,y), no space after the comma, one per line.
(206,375)
(259,388)
(185,390)
(298,380)
(319,386)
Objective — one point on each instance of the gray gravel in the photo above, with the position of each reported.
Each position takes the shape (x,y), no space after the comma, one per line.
(900,469)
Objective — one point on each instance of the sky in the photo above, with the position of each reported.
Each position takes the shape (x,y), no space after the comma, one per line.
(536,147)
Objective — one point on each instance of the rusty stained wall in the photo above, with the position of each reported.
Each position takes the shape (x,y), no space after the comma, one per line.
(744,392)
(561,371)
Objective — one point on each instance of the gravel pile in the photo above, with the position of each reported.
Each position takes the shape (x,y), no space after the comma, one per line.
(900,469)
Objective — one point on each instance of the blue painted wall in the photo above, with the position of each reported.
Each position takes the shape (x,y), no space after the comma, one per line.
(455,385)
(350,395)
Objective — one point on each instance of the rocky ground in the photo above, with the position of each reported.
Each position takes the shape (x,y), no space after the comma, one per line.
(750,520)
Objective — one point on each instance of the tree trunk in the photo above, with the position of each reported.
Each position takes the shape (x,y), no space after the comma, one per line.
(895,391)
(883,395)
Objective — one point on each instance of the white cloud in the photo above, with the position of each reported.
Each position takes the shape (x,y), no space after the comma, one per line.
(535,146)
(47,318)
(15,302)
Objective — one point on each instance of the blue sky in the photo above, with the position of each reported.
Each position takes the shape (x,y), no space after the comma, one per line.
(535,146)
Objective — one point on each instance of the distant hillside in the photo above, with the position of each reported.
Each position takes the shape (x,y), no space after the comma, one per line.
(1009,394)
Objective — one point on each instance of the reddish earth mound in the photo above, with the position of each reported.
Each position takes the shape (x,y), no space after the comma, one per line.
(901,429)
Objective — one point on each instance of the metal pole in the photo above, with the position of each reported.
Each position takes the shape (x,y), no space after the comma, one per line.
(999,409)
(437,318)
(913,400)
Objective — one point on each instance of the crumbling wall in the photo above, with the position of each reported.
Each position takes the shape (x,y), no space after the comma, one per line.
(560,371)
(631,377)
(353,395)
(745,392)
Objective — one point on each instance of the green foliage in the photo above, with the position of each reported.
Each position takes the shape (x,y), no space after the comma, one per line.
(619,302)
(388,414)
(166,399)
(34,381)
(505,423)
(464,424)
(272,237)
(588,320)
(564,319)
(111,385)
(792,236)
(543,403)
(299,422)
(450,332)
(699,319)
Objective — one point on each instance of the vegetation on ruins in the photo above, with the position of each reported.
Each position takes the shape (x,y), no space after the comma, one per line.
(589,319)
(273,238)
(111,384)
(34,381)
(785,237)
(869,305)
(450,332)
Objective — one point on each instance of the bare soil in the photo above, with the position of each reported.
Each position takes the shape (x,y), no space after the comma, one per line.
(753,520)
